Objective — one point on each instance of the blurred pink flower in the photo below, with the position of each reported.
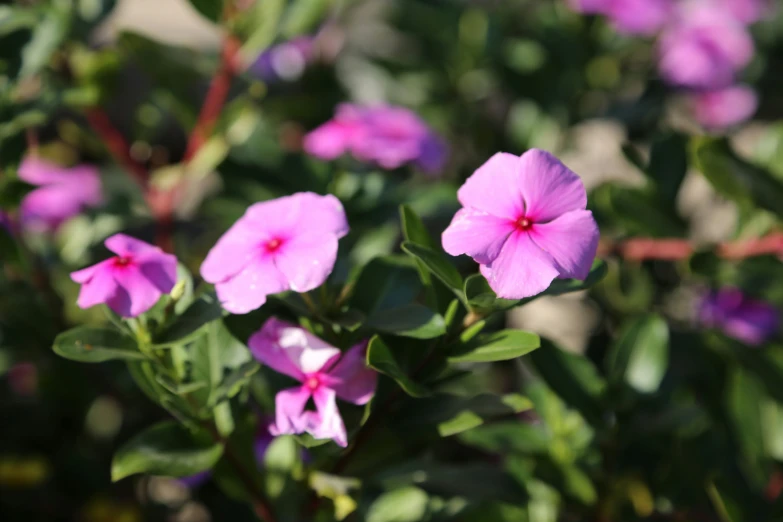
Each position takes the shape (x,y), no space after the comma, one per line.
(324,372)
(634,17)
(524,221)
(746,11)
(748,320)
(131,282)
(717,110)
(62,193)
(704,47)
(286,243)
(387,136)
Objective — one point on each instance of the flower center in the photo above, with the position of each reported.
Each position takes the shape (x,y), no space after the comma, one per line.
(122,261)
(273,244)
(312,382)
(524,223)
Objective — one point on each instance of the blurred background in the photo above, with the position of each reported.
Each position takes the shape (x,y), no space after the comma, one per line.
(486,75)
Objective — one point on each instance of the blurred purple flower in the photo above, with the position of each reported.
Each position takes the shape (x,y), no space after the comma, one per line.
(738,316)
(704,48)
(387,136)
(131,282)
(634,17)
(23,379)
(325,374)
(286,61)
(62,193)
(746,11)
(717,110)
(288,243)
(524,221)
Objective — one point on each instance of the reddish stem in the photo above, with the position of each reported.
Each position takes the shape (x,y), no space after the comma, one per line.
(116,143)
(644,248)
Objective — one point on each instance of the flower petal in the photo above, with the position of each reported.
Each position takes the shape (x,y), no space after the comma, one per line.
(248,289)
(142,294)
(232,252)
(477,234)
(124,245)
(354,381)
(521,270)
(290,349)
(571,240)
(318,214)
(549,188)
(290,417)
(161,270)
(98,284)
(307,260)
(494,187)
(327,423)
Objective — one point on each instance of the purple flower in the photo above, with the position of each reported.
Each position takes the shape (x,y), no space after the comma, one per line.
(286,61)
(746,11)
(131,282)
(642,17)
(62,193)
(524,221)
(704,48)
(717,110)
(738,316)
(286,243)
(387,136)
(324,372)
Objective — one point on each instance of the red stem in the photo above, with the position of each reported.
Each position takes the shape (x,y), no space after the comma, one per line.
(116,143)
(644,248)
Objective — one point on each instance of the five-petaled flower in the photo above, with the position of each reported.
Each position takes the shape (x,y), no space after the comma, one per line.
(748,320)
(61,194)
(524,221)
(281,244)
(131,282)
(324,373)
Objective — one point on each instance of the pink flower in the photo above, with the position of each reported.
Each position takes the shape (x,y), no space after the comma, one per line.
(524,221)
(324,374)
(387,136)
(717,110)
(131,282)
(286,243)
(63,192)
(643,17)
(704,48)
(748,320)
(746,11)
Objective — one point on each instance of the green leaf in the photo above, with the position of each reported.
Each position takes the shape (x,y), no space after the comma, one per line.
(746,402)
(498,346)
(385,283)
(236,380)
(446,415)
(412,320)
(737,179)
(94,345)
(209,9)
(413,228)
(564,286)
(641,354)
(203,311)
(510,436)
(408,504)
(636,210)
(13,191)
(47,36)
(165,449)
(668,164)
(437,264)
(573,378)
(380,357)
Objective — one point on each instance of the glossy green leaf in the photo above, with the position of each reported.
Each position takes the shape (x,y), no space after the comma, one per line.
(381,358)
(47,37)
(94,345)
(411,320)
(385,283)
(408,504)
(640,356)
(507,437)
(668,164)
(437,264)
(413,228)
(498,346)
(201,312)
(165,449)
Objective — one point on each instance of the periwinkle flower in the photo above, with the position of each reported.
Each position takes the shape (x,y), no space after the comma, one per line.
(743,318)
(288,243)
(384,135)
(704,48)
(524,221)
(286,61)
(62,193)
(324,373)
(131,282)
(718,110)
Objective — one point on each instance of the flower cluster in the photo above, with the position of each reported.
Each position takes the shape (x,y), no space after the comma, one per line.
(702,47)
(524,221)
(61,194)
(748,320)
(387,136)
